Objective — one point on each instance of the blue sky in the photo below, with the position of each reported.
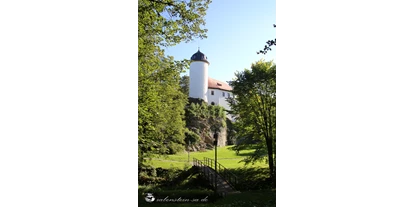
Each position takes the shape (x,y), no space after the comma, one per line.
(236,31)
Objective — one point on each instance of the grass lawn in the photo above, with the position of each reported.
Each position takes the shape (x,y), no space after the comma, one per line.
(252,178)
(225,156)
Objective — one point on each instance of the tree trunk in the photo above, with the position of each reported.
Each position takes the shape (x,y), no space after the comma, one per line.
(274,182)
(270,158)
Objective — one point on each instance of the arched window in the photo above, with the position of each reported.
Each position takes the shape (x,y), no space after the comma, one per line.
(212,103)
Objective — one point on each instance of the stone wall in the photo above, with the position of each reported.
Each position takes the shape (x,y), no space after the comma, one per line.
(222,139)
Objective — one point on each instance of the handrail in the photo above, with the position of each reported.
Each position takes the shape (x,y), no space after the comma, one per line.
(222,171)
(206,172)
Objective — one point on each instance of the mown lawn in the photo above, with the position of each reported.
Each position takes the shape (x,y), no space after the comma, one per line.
(225,156)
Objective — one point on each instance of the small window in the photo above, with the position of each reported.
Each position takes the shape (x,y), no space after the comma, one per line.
(228,95)
(224,94)
(212,93)
(212,103)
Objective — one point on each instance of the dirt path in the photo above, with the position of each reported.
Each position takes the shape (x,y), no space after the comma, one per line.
(165,160)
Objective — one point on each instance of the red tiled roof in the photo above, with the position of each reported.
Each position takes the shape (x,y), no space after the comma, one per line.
(213,83)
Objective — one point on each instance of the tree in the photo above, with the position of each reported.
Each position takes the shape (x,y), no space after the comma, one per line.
(269,43)
(185,84)
(254,106)
(163,23)
(202,121)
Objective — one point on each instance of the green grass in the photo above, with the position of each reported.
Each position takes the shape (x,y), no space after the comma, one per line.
(225,156)
(252,178)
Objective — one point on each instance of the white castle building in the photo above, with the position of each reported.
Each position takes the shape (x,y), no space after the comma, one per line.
(212,91)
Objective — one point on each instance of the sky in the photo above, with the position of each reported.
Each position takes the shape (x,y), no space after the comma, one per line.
(236,31)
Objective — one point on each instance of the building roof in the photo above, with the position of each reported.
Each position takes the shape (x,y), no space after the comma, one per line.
(199,56)
(216,84)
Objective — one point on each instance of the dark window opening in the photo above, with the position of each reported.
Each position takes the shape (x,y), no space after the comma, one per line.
(212,93)
(212,103)
(224,94)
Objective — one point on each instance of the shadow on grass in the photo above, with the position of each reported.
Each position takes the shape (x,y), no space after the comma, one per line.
(244,150)
(252,178)
(172,178)
(244,153)
(187,179)
(256,190)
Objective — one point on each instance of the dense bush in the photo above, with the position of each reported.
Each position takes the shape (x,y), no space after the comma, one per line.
(202,121)
(172,178)
(252,178)
(192,137)
(174,148)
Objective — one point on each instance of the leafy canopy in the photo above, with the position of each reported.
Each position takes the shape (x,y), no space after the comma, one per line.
(254,106)
(164,23)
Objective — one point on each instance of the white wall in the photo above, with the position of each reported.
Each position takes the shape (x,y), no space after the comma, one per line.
(199,80)
(218,98)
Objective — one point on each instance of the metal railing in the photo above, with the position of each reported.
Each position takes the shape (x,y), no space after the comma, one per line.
(207,173)
(229,177)
(223,172)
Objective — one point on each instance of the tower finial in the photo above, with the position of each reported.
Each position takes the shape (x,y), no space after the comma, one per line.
(198,48)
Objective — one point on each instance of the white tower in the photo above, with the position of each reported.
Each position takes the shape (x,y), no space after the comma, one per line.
(199,76)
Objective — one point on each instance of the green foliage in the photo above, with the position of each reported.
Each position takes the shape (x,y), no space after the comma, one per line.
(185,84)
(231,132)
(192,137)
(267,47)
(172,179)
(226,156)
(148,176)
(174,148)
(254,105)
(252,178)
(202,121)
(163,23)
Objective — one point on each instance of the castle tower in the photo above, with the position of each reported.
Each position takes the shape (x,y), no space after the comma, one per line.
(199,76)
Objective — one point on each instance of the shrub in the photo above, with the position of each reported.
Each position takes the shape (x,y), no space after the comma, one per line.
(174,148)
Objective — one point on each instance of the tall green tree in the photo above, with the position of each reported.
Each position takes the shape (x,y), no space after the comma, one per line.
(161,24)
(185,84)
(254,106)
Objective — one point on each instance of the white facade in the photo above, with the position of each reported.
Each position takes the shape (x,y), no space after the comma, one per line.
(199,80)
(212,91)
(219,98)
